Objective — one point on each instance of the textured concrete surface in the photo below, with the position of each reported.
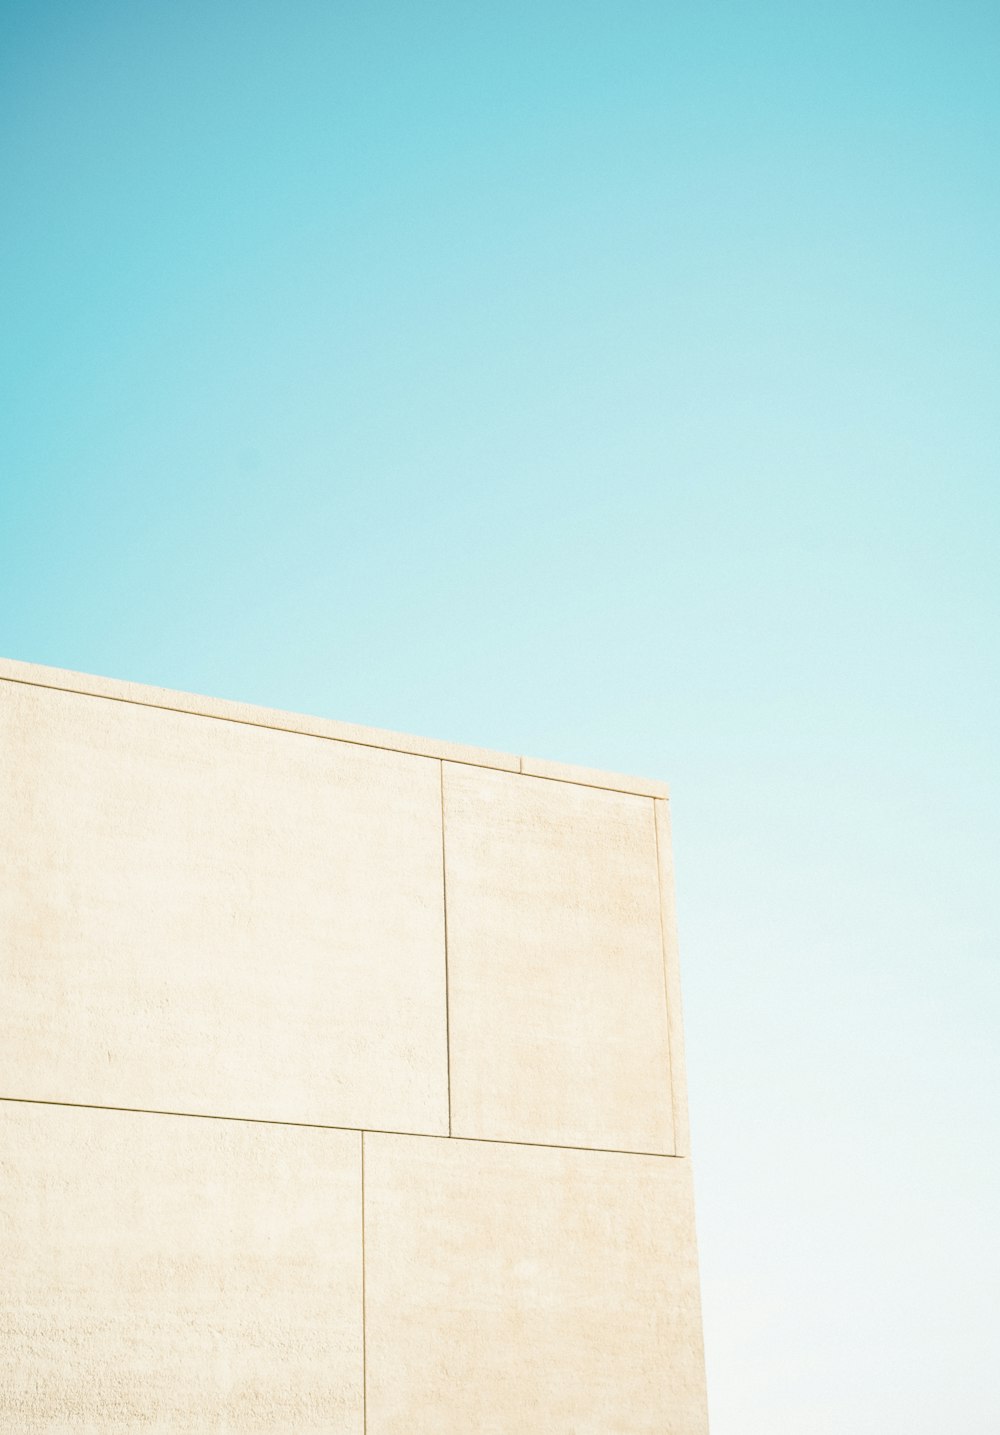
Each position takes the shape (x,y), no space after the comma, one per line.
(555,959)
(511,1288)
(172,1274)
(212,917)
(415,1008)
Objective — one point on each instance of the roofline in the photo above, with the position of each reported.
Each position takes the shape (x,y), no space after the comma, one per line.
(142,695)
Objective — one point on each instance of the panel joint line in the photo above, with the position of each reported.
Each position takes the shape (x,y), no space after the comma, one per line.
(447,982)
(364,1304)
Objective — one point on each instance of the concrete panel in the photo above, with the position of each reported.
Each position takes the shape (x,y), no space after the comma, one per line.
(558,1024)
(205,916)
(529,1291)
(174,1274)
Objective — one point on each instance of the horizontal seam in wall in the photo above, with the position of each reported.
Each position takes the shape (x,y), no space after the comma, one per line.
(329,1126)
(329,737)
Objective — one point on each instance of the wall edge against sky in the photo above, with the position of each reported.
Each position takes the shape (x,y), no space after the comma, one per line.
(223,709)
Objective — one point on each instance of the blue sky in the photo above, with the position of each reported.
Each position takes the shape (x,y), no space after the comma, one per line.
(615,383)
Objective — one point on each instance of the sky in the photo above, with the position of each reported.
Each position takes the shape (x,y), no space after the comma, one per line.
(614,383)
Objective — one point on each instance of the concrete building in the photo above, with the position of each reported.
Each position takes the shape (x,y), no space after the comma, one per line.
(342,1079)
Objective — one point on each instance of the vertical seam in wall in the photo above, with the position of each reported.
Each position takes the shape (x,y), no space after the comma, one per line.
(447,986)
(364,1303)
(678,1075)
(666,983)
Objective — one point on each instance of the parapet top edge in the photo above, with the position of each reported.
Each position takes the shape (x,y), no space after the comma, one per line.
(144,695)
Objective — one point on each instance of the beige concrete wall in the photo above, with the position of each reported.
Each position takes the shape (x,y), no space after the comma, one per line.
(555,957)
(517,1288)
(342,1080)
(169,1273)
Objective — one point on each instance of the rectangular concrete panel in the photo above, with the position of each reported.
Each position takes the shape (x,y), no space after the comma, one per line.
(558,1018)
(178,1275)
(199,915)
(526,1291)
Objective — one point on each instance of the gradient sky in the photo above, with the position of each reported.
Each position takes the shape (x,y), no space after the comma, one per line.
(617,383)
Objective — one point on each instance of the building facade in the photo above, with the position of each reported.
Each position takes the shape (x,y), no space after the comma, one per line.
(342,1078)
